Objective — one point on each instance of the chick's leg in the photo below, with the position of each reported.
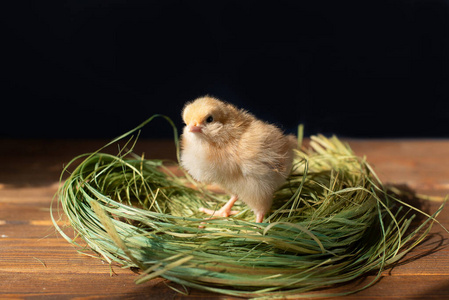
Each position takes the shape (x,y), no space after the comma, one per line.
(259,217)
(225,211)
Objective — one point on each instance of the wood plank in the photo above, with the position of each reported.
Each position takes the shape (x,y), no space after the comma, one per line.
(419,164)
(37,262)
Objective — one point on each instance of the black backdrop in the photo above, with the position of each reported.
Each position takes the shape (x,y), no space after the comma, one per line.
(94,69)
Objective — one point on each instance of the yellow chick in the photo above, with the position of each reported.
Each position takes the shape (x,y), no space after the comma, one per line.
(227,146)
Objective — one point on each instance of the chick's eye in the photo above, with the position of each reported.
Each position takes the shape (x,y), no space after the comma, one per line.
(209,119)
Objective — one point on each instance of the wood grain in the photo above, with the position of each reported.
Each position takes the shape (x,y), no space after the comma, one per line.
(35,262)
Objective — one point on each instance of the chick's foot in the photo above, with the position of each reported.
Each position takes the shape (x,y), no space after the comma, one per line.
(225,211)
(219,213)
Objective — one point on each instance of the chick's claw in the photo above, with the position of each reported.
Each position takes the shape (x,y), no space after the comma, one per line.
(223,212)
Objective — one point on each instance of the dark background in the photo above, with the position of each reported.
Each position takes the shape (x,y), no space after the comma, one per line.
(95,69)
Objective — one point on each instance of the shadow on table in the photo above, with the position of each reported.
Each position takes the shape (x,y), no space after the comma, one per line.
(439,292)
(421,210)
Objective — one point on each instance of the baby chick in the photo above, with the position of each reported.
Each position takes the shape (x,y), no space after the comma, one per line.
(227,146)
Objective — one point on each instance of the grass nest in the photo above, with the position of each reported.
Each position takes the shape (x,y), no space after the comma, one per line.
(332,222)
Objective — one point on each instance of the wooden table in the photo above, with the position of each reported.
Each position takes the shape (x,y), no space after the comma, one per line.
(36,262)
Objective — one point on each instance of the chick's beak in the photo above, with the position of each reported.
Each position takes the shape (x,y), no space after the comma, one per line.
(195,128)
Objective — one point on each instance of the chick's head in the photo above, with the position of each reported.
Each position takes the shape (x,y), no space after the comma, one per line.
(209,118)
